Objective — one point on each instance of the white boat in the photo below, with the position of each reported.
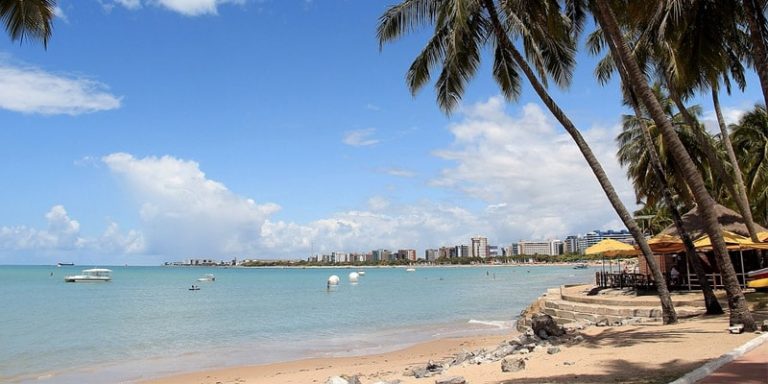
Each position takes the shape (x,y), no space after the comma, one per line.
(207,277)
(94,275)
(410,270)
(580,266)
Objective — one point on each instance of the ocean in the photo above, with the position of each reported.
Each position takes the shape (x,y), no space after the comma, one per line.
(147,323)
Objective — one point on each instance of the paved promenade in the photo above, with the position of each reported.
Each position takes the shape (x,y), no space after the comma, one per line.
(752,368)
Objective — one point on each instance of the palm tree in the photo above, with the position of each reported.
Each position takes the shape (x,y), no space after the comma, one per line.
(28,18)
(638,152)
(754,13)
(607,20)
(695,45)
(463,27)
(750,140)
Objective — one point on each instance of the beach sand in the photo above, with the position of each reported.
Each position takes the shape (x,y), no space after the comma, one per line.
(647,353)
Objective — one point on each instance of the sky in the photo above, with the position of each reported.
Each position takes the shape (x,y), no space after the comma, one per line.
(162,130)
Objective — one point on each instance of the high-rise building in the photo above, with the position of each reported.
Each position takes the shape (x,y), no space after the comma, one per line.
(571,244)
(431,254)
(596,236)
(479,247)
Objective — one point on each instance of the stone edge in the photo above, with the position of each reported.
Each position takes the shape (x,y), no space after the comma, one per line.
(713,365)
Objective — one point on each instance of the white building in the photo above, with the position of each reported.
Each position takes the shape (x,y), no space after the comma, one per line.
(479,247)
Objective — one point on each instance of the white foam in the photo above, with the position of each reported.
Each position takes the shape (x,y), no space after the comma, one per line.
(500,324)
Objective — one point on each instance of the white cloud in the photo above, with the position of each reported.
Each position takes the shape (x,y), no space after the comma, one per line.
(399,172)
(63,234)
(531,174)
(360,137)
(186,214)
(58,12)
(32,90)
(731,115)
(184,7)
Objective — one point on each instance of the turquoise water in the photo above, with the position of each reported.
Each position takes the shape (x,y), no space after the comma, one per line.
(146,323)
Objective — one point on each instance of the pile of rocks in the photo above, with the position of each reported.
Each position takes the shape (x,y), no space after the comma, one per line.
(544,334)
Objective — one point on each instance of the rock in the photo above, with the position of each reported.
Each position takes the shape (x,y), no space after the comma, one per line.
(420,372)
(512,364)
(336,380)
(434,367)
(541,322)
(502,352)
(602,323)
(553,350)
(569,363)
(351,379)
(452,380)
(388,382)
(538,348)
(577,339)
(461,357)
(764,327)
(522,352)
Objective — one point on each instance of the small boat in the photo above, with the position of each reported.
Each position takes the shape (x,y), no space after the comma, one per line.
(361,273)
(410,270)
(95,275)
(758,274)
(580,266)
(207,277)
(64,264)
(194,288)
(759,283)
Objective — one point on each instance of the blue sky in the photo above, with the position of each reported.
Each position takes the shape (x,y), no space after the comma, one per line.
(167,129)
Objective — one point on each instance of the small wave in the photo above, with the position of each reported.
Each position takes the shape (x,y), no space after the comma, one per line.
(500,324)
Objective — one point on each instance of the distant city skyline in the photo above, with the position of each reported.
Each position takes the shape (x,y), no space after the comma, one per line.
(150,131)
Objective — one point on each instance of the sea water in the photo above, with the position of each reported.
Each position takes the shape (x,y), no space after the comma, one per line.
(147,323)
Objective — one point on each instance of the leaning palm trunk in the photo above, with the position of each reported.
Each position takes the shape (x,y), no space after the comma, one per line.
(668,311)
(736,301)
(710,300)
(741,194)
(751,9)
(731,184)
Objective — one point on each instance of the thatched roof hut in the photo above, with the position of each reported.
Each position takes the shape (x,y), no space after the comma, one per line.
(729,220)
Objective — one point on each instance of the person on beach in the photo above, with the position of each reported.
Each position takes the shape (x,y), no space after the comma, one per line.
(674,276)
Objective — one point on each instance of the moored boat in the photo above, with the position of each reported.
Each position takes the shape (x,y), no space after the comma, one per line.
(410,269)
(207,277)
(580,266)
(94,275)
(759,283)
(758,274)
(64,264)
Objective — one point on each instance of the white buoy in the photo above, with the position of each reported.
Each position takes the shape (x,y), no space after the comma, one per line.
(353,277)
(333,280)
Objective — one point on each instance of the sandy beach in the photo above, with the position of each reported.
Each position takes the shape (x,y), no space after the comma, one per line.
(646,353)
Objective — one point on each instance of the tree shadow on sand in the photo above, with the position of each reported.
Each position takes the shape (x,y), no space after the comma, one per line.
(618,371)
(618,337)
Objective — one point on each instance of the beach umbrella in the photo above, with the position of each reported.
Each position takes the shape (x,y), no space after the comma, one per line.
(611,248)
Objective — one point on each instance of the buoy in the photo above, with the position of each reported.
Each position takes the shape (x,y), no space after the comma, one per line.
(353,277)
(333,280)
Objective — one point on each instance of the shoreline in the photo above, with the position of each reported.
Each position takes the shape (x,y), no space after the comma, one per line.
(643,353)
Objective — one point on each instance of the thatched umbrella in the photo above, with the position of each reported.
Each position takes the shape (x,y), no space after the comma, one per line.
(694,223)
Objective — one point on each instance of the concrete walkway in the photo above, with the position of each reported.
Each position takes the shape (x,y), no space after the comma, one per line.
(752,368)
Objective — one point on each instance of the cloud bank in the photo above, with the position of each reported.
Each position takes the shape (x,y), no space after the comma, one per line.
(33,90)
(184,7)
(517,176)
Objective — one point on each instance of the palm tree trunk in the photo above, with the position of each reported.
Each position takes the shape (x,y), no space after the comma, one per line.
(751,9)
(741,194)
(736,301)
(668,311)
(734,184)
(710,300)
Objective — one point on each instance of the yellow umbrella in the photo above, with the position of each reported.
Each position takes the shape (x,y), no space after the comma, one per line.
(665,244)
(762,236)
(732,240)
(610,248)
